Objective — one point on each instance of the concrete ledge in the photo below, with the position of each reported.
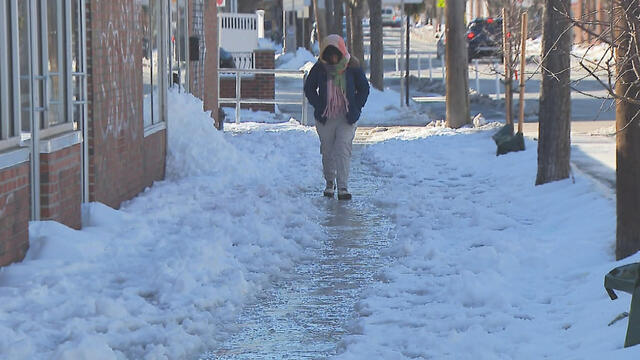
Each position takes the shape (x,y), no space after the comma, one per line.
(13,157)
(152,129)
(60,142)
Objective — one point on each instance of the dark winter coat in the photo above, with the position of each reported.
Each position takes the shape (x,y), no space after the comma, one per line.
(357,90)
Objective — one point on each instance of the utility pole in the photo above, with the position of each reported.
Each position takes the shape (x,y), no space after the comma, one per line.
(457,65)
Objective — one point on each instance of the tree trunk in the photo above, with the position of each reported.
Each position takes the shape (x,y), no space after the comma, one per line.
(338,16)
(321,20)
(357,36)
(331,26)
(349,21)
(554,120)
(627,138)
(376,46)
(457,65)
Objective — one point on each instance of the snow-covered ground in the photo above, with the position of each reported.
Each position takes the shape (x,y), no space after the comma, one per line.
(158,278)
(487,265)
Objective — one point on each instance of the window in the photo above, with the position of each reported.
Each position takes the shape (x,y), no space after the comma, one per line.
(9,117)
(55,64)
(78,72)
(150,62)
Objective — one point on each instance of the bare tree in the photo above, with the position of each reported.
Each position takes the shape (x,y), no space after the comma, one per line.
(617,70)
(627,41)
(554,142)
(321,19)
(376,46)
(355,38)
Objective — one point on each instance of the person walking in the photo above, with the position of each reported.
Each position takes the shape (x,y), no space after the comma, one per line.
(337,88)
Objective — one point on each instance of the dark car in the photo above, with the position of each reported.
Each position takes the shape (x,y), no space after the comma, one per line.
(484,37)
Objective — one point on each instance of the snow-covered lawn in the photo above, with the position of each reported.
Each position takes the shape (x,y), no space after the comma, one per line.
(486,265)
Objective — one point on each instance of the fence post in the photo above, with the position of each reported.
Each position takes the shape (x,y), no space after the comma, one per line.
(397,63)
(238,89)
(497,82)
(419,67)
(430,69)
(260,14)
(443,73)
(304,100)
(475,62)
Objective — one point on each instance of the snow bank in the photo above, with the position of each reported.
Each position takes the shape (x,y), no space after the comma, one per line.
(383,108)
(295,61)
(159,278)
(488,266)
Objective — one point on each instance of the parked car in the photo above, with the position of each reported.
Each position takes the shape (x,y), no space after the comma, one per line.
(226,60)
(484,37)
(390,18)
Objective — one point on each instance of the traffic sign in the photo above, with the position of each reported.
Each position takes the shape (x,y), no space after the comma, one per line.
(440,3)
(221,2)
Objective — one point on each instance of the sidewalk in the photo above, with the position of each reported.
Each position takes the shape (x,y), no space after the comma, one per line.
(593,149)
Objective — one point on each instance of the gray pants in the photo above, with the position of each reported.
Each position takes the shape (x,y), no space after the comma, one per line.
(336,138)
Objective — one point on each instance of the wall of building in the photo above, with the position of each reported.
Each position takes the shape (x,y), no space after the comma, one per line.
(61,186)
(116,134)
(14,213)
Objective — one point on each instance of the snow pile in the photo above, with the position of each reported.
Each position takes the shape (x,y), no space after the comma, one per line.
(295,61)
(488,266)
(159,278)
(383,108)
(593,52)
(247,115)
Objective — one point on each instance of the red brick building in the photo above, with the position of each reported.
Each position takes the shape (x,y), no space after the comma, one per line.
(83,101)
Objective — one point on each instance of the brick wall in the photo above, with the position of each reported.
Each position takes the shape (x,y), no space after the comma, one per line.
(61,186)
(14,213)
(211,59)
(203,74)
(259,86)
(116,138)
(154,157)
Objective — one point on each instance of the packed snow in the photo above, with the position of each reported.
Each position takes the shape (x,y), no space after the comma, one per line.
(485,264)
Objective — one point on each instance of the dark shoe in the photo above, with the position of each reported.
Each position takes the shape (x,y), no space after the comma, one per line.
(343,194)
(329,189)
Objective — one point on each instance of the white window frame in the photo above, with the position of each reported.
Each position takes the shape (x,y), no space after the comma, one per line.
(163,40)
(9,69)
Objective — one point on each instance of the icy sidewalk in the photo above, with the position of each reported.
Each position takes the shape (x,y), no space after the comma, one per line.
(160,278)
(488,265)
(305,313)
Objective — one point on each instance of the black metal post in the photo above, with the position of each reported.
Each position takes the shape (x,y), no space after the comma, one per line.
(406,68)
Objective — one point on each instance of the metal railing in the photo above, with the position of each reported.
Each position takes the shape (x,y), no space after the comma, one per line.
(238,100)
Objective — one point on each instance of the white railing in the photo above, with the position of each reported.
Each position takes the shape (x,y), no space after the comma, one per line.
(238,100)
(244,60)
(238,32)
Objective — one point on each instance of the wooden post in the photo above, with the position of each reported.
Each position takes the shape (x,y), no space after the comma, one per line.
(506,52)
(523,61)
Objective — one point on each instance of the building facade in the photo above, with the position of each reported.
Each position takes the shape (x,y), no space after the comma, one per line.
(83,101)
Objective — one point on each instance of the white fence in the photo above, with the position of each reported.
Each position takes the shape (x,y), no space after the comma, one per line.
(238,32)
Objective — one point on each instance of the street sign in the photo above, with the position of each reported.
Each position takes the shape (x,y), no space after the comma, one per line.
(221,2)
(440,4)
(293,5)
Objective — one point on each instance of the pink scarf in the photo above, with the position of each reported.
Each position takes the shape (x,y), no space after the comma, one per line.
(337,103)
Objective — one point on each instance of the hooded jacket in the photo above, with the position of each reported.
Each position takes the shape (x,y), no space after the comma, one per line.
(357,86)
